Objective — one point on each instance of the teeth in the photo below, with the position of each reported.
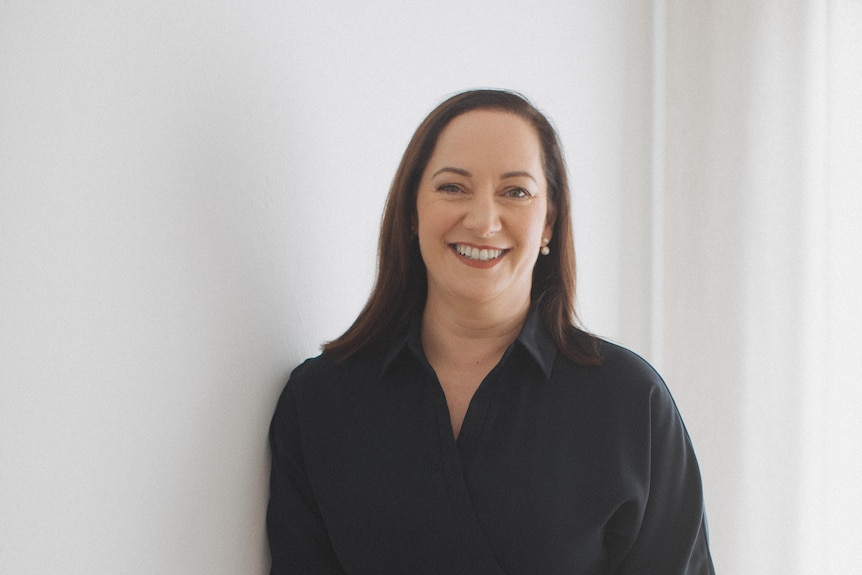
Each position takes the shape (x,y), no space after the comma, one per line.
(476,253)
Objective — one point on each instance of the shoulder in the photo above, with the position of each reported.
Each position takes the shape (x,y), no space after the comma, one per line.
(322,381)
(623,363)
(627,398)
(623,377)
(313,369)
(618,365)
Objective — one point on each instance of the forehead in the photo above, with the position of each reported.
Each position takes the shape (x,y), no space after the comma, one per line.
(489,137)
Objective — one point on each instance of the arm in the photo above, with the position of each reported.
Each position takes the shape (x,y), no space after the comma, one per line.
(672,538)
(298,540)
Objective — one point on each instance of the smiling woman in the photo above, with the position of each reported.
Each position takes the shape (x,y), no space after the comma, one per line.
(401,285)
(465,423)
(479,207)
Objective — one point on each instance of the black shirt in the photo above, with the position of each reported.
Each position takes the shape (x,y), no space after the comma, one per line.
(558,468)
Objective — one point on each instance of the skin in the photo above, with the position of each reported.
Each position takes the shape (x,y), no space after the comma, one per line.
(484,187)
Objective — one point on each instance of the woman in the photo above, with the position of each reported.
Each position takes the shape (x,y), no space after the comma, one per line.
(464,423)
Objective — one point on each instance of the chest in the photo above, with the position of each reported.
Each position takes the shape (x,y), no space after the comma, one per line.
(527,482)
(459,385)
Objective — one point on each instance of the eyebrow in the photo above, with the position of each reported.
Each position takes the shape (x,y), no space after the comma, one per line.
(459,171)
(467,174)
(518,174)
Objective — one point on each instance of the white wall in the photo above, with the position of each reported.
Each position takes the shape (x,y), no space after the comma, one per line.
(189,199)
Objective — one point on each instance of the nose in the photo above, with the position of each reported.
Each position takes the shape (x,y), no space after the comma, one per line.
(483,216)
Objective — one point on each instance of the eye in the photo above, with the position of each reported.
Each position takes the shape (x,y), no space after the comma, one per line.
(450,188)
(518,193)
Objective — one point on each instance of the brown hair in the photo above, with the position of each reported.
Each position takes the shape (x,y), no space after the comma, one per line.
(400,288)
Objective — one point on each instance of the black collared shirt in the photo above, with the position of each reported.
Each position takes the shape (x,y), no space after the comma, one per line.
(558,468)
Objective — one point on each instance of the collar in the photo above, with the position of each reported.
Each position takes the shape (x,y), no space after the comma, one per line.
(539,346)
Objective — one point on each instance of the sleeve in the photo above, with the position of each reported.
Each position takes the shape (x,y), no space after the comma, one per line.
(298,540)
(672,538)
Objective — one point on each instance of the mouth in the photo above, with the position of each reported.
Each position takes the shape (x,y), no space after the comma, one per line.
(478,254)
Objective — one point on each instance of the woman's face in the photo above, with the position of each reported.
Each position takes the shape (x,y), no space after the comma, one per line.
(482,207)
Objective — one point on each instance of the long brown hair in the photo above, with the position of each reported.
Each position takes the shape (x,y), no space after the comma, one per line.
(400,288)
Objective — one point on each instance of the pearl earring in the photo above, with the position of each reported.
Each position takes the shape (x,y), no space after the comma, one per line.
(545,249)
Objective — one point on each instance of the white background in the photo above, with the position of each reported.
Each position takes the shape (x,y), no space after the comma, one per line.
(189,200)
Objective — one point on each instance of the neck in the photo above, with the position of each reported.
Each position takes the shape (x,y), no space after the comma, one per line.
(464,328)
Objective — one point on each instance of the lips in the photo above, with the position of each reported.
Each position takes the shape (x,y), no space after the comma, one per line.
(478,254)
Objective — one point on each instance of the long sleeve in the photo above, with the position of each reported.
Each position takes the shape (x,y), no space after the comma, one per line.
(672,536)
(297,535)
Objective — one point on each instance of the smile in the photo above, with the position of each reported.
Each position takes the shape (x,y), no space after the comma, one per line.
(477,254)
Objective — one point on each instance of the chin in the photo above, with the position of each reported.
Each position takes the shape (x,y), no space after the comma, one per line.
(478,295)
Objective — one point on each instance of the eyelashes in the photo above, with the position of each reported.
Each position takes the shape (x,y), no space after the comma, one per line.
(515,192)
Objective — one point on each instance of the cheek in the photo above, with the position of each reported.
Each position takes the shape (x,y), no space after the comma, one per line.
(538,227)
(427,231)
(420,221)
(423,222)
(433,219)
